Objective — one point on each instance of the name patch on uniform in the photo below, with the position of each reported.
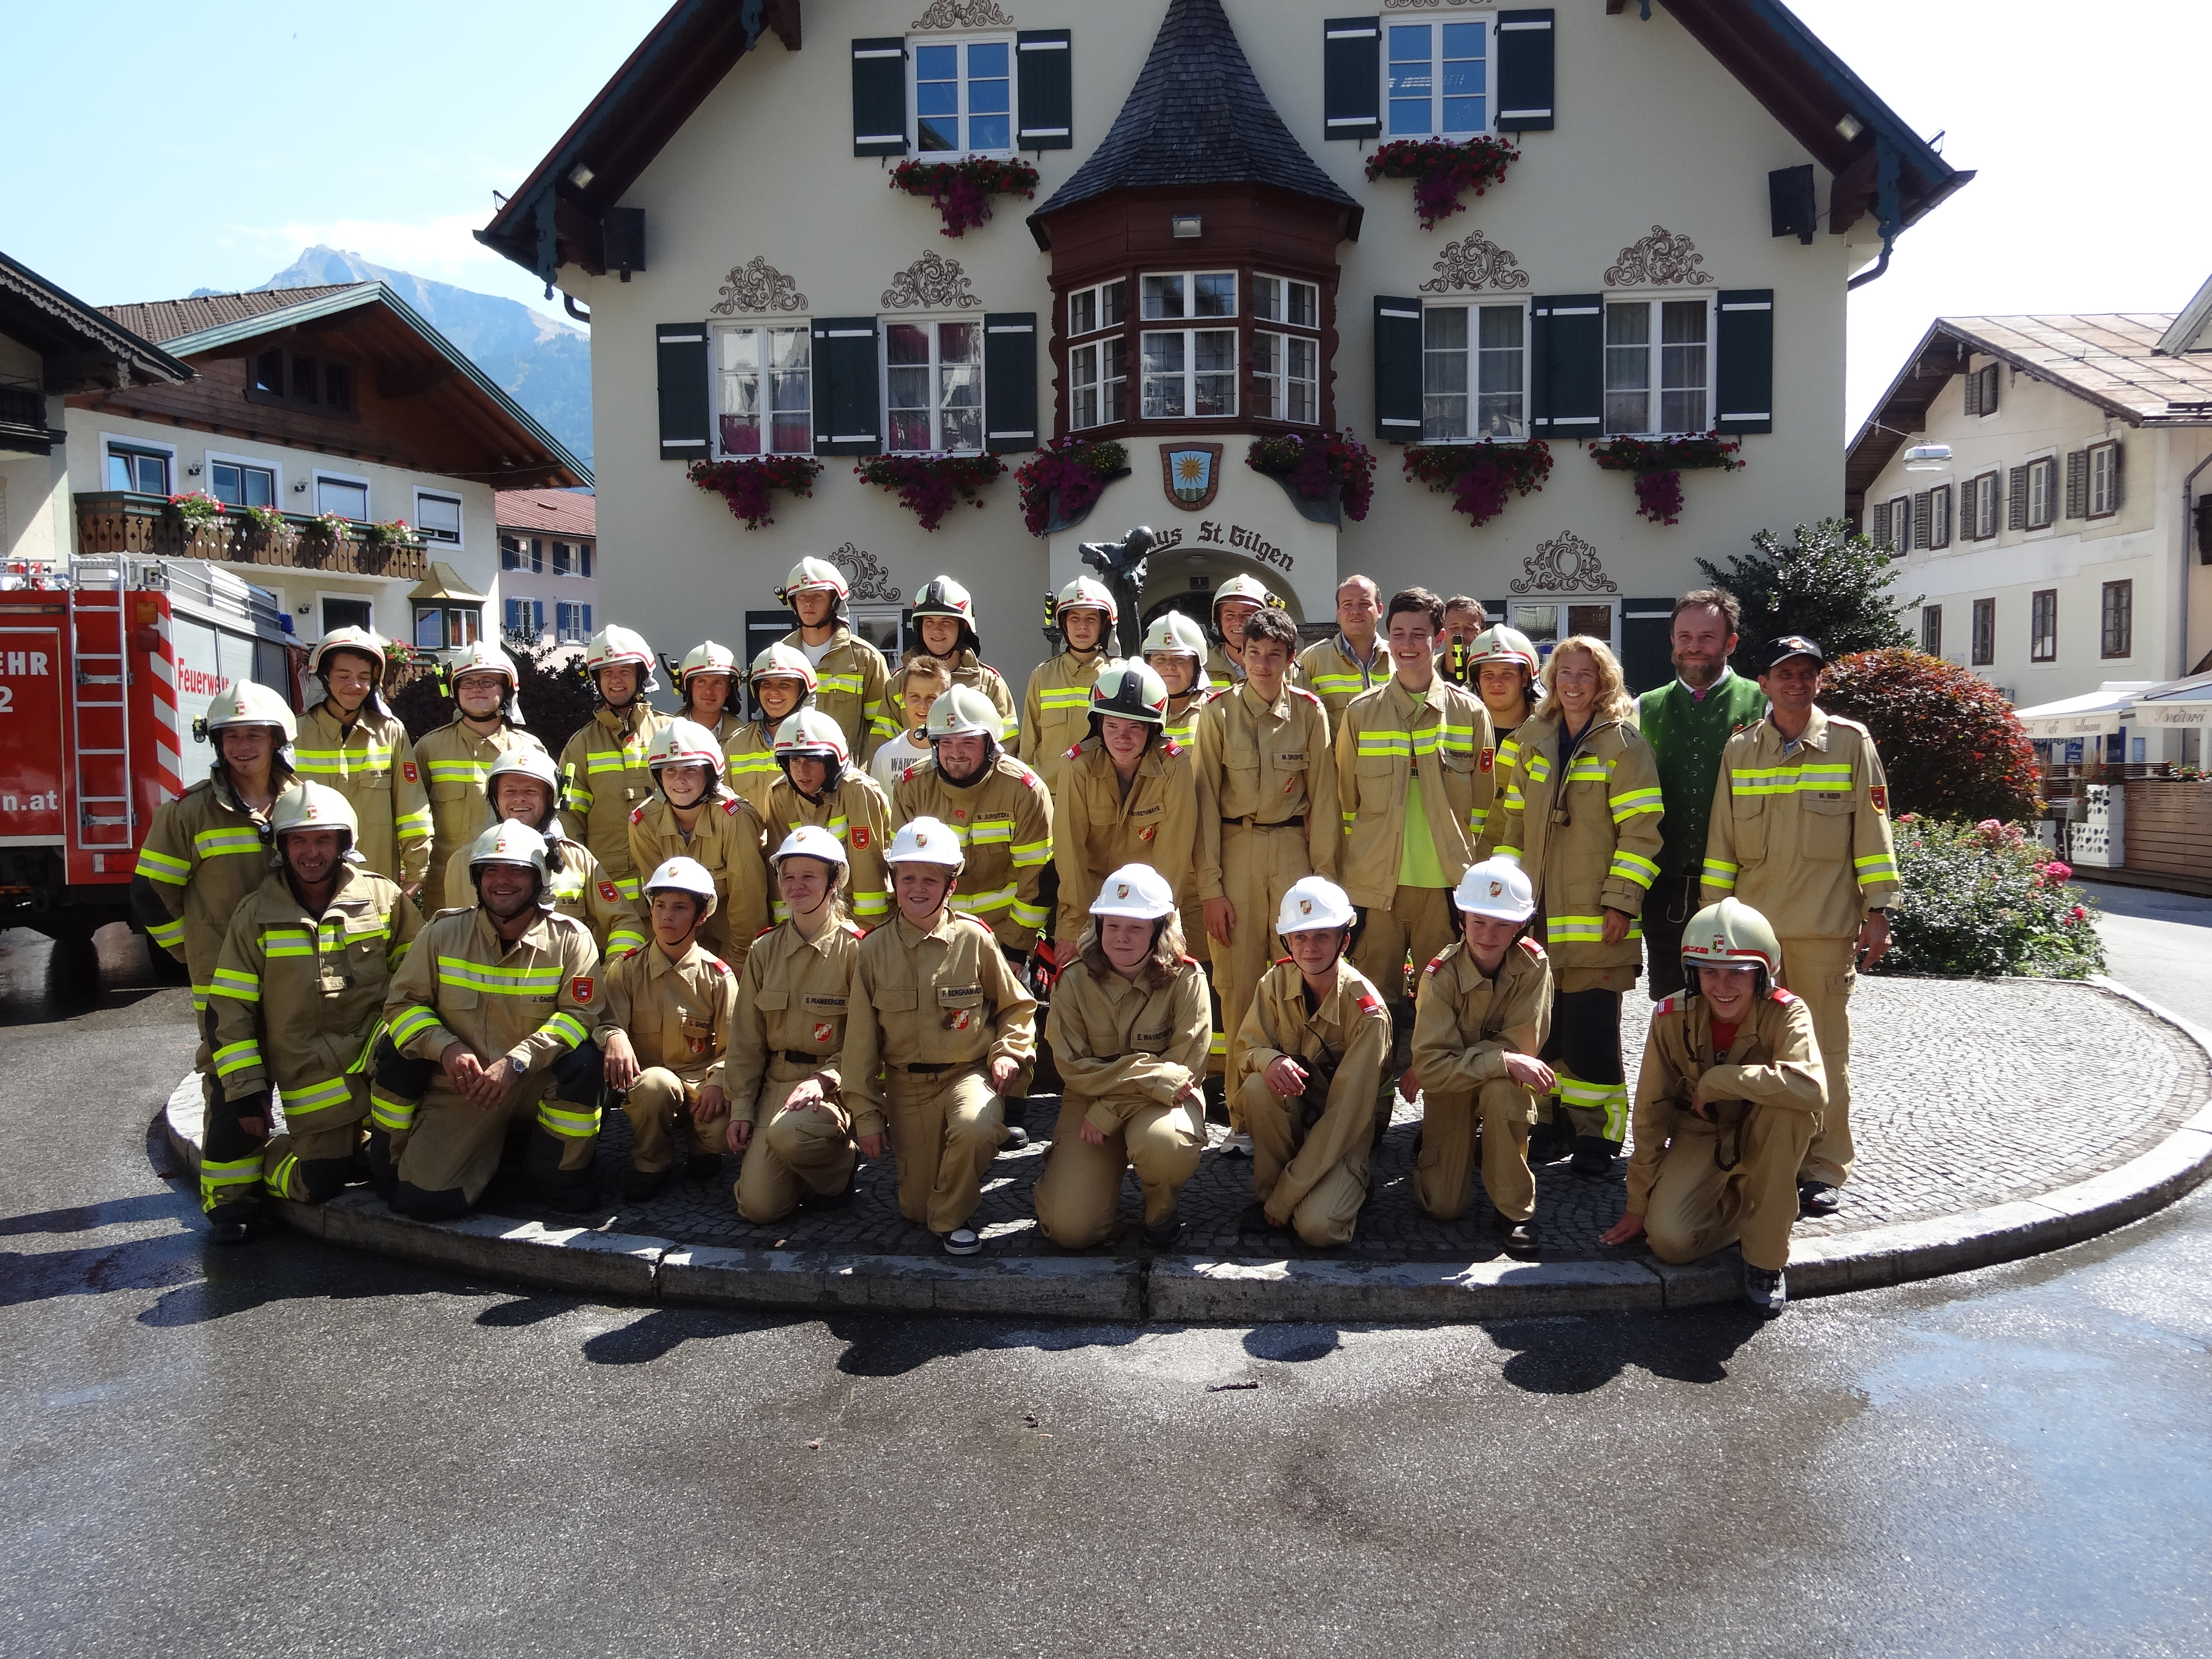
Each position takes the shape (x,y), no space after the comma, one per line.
(812,1001)
(824,1032)
(1296,757)
(949,995)
(580,988)
(607,893)
(1880,793)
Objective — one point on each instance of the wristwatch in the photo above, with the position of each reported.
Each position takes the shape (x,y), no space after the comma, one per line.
(517,1064)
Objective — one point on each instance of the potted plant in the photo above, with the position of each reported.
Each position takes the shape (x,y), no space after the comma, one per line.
(1443,170)
(963,190)
(266,531)
(1062,481)
(1479,477)
(1659,464)
(322,536)
(1328,477)
(746,483)
(196,510)
(931,486)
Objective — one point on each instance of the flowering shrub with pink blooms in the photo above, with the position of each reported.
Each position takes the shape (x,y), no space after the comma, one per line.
(1985,898)
(1479,477)
(1443,170)
(746,483)
(931,486)
(1319,466)
(963,190)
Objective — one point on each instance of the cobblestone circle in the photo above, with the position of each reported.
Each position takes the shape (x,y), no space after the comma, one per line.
(1965,1094)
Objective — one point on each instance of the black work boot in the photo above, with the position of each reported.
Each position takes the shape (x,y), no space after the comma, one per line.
(1764,1290)
(1593,1156)
(1163,1232)
(1818,1198)
(1549,1141)
(641,1186)
(1521,1240)
(704,1166)
(235,1223)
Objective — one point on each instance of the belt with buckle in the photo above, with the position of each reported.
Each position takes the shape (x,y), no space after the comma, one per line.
(799,1057)
(934,1069)
(1297,823)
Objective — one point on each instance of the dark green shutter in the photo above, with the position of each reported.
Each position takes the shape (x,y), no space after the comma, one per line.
(2016,506)
(1397,369)
(2077,482)
(680,349)
(1046,90)
(1647,651)
(879,96)
(1743,375)
(848,407)
(1010,380)
(1351,77)
(1973,384)
(1524,71)
(2120,455)
(1568,336)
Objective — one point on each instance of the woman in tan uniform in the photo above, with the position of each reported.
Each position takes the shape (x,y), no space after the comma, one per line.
(693,815)
(1128,1027)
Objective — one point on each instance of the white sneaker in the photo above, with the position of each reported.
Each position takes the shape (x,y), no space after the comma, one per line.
(1238,1144)
(962,1241)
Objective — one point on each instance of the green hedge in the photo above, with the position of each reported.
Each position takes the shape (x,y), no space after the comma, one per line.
(1986,899)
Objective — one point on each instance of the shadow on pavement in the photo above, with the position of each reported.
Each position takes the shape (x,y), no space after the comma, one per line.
(151,1207)
(1292,1343)
(1581,1355)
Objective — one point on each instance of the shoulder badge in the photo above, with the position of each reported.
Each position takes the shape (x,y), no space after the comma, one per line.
(638,816)
(718,965)
(1436,961)
(626,954)
(854,928)
(861,835)
(407,771)
(1489,758)
(1190,962)
(1532,947)
(580,988)
(731,803)
(1309,697)
(1074,752)
(1369,1003)
(766,930)
(1030,777)
(1667,1005)
(1783,996)
(1282,962)
(1879,792)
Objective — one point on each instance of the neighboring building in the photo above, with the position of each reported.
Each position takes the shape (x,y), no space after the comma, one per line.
(1205,261)
(306,401)
(52,344)
(548,561)
(2056,550)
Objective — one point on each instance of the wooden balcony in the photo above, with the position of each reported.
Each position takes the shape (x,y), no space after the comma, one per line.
(123,522)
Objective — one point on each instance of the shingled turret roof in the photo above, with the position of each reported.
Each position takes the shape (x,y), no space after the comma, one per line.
(1197,116)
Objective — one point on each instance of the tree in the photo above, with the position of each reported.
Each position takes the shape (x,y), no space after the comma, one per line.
(1831,586)
(1951,745)
(555,696)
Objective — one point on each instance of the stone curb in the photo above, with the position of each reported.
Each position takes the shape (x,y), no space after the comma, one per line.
(637,1268)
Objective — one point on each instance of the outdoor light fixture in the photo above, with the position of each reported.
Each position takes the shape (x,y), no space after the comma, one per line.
(1928,458)
(581,176)
(1851,127)
(1188,224)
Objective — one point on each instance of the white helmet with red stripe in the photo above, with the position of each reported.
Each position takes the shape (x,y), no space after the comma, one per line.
(784,662)
(812,575)
(359,640)
(686,742)
(248,703)
(810,734)
(1088,591)
(611,646)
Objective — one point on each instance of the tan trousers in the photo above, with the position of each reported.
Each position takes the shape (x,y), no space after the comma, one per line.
(1326,1214)
(1441,1185)
(659,1101)
(1419,922)
(1820,972)
(455,1144)
(281,1157)
(945,1132)
(1078,1196)
(1201,944)
(1697,1207)
(793,1153)
(1258,866)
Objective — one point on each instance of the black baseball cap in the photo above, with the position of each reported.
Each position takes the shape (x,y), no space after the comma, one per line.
(1789,646)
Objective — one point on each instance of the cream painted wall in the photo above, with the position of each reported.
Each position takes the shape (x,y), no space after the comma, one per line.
(1652,132)
(390,496)
(33,503)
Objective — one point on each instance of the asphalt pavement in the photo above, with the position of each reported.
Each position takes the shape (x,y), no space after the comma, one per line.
(2158,944)
(294,1449)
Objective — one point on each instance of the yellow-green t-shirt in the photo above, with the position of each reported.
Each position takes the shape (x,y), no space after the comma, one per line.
(1417,863)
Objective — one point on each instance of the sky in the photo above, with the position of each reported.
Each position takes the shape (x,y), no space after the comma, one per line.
(190,164)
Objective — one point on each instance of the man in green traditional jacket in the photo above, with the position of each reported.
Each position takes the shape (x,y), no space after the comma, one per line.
(1688,722)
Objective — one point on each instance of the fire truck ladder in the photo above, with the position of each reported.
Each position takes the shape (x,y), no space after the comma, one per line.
(100,715)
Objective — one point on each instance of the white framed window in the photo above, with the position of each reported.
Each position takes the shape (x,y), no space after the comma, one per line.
(1165,296)
(764,395)
(575,623)
(1286,377)
(1658,366)
(1103,305)
(238,481)
(136,464)
(2042,492)
(884,627)
(346,611)
(438,517)
(1931,629)
(1098,382)
(339,492)
(1286,300)
(1981,514)
(1939,518)
(1900,525)
(1436,79)
(933,386)
(1546,622)
(1474,372)
(526,618)
(522,553)
(2104,480)
(446,627)
(1187,371)
(962,96)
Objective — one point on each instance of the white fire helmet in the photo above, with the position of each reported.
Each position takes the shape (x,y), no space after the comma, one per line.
(926,841)
(359,640)
(510,843)
(612,646)
(1088,591)
(1137,891)
(786,662)
(314,806)
(1173,632)
(812,575)
(1731,934)
(526,761)
(682,875)
(965,712)
(1314,902)
(811,841)
(249,703)
(1497,888)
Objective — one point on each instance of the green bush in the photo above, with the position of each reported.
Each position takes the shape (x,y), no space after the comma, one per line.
(1949,741)
(1984,899)
(1829,583)
(556,698)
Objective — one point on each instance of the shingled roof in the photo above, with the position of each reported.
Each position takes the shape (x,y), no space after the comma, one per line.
(1197,116)
(172,320)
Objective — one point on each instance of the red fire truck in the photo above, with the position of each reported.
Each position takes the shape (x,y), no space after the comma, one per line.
(104,666)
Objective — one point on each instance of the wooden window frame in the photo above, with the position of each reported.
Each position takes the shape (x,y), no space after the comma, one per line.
(1975,518)
(1984,654)
(1488,25)
(716,373)
(935,323)
(2117,643)
(2109,451)
(1655,387)
(1474,306)
(2043,478)
(1939,518)
(2042,607)
(1931,629)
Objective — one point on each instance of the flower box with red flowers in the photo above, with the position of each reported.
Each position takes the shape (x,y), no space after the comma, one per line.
(1479,477)
(746,483)
(931,486)
(963,190)
(1063,480)
(1443,170)
(1328,477)
(1659,464)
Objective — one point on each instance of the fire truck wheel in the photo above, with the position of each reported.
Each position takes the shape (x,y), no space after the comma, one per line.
(76,967)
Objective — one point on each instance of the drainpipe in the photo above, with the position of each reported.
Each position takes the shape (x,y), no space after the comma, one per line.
(1887,215)
(569,303)
(2188,517)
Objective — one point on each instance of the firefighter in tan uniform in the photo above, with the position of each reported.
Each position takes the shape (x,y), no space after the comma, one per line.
(849,672)
(208,849)
(604,774)
(1479,1020)
(998,808)
(1128,1028)
(782,683)
(820,786)
(706,682)
(1582,816)
(502,998)
(1129,794)
(297,1001)
(1732,1093)
(1309,1061)
(665,1018)
(1799,831)
(455,759)
(693,815)
(523,786)
(1501,666)
(1266,814)
(1352,660)
(945,623)
(1236,602)
(1175,649)
(788,1110)
(939,1031)
(352,741)
(1414,794)
(1056,708)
